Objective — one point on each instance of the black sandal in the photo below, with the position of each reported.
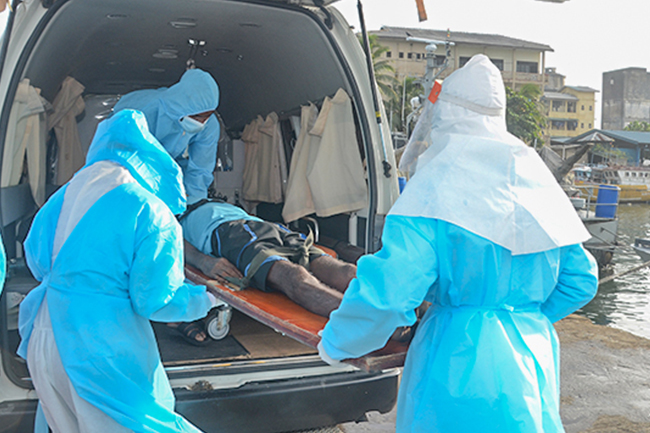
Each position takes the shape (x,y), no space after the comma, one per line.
(189,331)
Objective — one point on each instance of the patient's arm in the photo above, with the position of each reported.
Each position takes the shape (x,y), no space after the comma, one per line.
(213,267)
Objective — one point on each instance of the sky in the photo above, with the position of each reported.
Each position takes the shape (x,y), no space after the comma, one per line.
(588,37)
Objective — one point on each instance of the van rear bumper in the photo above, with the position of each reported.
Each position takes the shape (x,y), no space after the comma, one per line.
(286,405)
(289,405)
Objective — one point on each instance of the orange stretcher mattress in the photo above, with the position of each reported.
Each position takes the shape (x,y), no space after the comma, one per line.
(275,310)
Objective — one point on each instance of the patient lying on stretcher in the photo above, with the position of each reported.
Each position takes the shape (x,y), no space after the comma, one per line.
(231,246)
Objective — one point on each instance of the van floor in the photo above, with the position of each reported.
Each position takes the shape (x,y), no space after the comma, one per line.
(248,339)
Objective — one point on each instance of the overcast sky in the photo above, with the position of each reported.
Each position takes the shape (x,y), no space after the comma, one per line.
(588,37)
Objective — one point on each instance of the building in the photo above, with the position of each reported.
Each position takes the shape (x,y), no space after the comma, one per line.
(519,61)
(626,97)
(569,109)
(633,147)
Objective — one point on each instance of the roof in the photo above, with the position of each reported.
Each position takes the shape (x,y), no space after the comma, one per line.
(632,137)
(558,95)
(459,37)
(581,89)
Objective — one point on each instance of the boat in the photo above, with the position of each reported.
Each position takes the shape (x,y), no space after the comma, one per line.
(602,226)
(633,181)
(598,214)
(642,248)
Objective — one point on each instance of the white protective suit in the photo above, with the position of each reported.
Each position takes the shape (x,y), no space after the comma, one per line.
(484,233)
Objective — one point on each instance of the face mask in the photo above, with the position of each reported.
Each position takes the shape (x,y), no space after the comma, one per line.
(190,125)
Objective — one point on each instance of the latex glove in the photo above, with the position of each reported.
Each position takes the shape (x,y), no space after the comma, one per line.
(214,302)
(323,355)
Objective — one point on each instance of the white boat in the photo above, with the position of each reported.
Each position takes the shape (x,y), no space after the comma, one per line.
(642,248)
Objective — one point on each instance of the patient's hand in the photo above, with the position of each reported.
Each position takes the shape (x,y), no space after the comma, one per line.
(213,267)
(218,267)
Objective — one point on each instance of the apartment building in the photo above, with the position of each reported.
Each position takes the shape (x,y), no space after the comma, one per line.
(570,110)
(626,97)
(519,61)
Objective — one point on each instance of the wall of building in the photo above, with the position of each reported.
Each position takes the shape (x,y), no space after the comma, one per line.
(506,59)
(626,97)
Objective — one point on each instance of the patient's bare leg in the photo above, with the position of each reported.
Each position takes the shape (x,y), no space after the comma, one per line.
(303,288)
(333,272)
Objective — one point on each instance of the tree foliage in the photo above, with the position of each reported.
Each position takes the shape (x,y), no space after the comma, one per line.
(638,126)
(524,117)
(384,71)
(405,91)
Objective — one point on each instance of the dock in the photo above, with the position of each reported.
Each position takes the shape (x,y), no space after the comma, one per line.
(605,382)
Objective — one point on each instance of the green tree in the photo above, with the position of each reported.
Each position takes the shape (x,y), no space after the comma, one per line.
(638,126)
(408,89)
(384,71)
(524,117)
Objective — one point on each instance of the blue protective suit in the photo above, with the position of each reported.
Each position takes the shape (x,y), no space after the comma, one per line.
(485,357)
(484,233)
(120,267)
(196,92)
(3,265)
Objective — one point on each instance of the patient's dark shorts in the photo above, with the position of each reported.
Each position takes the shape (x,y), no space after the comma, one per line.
(241,240)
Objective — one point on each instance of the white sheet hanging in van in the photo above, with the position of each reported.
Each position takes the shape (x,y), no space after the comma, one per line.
(68,104)
(26,134)
(299,202)
(265,171)
(334,172)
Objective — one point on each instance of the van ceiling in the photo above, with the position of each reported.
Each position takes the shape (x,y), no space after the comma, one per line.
(264,57)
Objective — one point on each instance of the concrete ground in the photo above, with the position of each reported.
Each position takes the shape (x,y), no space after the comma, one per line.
(605,382)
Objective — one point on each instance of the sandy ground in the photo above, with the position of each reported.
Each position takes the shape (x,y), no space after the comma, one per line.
(605,382)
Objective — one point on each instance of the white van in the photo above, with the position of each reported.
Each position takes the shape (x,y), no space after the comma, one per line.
(267,56)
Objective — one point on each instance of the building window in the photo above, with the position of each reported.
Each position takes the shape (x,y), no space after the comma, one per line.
(462,61)
(583,108)
(389,54)
(409,55)
(527,67)
(498,63)
(582,125)
(590,126)
(417,56)
(571,106)
(558,106)
(572,125)
(557,124)
(590,108)
(401,55)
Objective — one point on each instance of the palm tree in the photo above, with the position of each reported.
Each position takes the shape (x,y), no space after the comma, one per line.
(384,71)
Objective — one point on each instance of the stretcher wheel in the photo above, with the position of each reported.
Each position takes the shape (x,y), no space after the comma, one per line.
(217,333)
(217,324)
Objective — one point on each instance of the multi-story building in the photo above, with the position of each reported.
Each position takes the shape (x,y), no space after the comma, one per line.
(569,109)
(519,61)
(626,97)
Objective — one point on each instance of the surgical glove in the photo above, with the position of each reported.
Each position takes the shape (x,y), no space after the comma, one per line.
(214,302)
(323,355)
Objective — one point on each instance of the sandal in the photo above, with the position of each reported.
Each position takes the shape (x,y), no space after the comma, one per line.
(190,330)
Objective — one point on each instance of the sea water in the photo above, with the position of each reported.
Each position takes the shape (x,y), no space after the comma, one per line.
(625,302)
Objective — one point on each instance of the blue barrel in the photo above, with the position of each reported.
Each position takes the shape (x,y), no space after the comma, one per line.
(607,201)
(402,183)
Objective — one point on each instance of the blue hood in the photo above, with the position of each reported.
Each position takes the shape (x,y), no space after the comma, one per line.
(195,93)
(125,139)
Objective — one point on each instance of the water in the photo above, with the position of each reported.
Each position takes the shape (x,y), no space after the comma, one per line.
(625,302)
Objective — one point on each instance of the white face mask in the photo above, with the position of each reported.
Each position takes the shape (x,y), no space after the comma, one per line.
(190,125)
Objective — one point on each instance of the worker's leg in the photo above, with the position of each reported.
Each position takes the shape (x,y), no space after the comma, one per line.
(333,272)
(303,288)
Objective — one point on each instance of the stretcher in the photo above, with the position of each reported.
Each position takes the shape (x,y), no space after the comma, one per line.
(277,311)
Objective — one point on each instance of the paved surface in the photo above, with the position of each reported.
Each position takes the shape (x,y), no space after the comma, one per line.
(605,382)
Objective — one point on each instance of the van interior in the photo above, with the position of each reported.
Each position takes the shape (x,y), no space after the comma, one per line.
(267,57)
